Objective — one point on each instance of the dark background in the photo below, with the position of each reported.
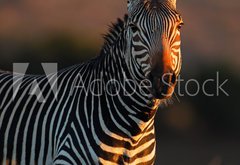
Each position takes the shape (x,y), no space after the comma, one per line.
(195,130)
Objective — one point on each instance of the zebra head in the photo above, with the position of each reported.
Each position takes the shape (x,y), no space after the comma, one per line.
(154,42)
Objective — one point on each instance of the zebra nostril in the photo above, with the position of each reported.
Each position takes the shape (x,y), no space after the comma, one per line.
(173,78)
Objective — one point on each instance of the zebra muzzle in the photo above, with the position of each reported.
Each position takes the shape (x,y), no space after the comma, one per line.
(163,86)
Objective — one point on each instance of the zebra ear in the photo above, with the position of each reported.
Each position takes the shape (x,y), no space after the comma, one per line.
(131,4)
(172,3)
(128,3)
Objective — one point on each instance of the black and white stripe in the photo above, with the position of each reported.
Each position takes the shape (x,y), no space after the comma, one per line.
(89,127)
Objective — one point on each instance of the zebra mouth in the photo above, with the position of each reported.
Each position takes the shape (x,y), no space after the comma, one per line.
(163,87)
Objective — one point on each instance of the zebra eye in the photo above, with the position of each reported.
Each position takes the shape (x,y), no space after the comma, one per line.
(134,28)
(180,26)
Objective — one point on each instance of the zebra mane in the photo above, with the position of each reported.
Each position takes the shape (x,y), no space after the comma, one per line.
(3,71)
(114,32)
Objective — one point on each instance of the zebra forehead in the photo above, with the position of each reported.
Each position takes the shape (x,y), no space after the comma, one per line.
(157,3)
(155,8)
(171,3)
(156,16)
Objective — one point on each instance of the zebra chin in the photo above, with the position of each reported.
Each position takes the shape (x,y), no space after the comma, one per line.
(163,86)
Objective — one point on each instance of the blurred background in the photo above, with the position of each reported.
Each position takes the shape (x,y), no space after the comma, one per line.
(195,130)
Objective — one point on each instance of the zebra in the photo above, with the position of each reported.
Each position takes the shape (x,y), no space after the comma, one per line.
(110,121)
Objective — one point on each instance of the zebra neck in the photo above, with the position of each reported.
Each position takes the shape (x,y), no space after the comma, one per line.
(122,101)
